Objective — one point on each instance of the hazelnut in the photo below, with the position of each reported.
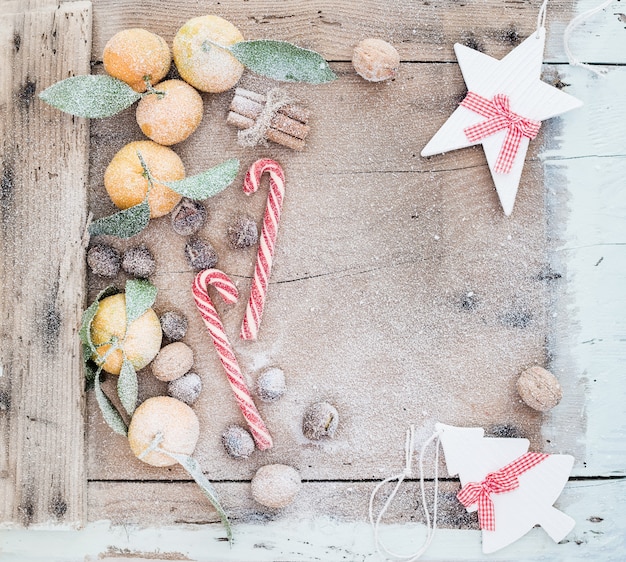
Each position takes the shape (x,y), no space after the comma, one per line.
(104,260)
(275,485)
(200,254)
(174,325)
(186,388)
(270,384)
(243,232)
(375,60)
(539,389)
(238,442)
(139,262)
(172,362)
(188,217)
(320,421)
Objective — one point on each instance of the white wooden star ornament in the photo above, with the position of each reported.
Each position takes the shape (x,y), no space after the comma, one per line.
(503,110)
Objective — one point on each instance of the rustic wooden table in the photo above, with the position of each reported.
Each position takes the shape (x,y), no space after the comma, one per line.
(369,308)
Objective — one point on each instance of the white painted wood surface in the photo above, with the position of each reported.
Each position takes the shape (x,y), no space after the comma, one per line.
(585,170)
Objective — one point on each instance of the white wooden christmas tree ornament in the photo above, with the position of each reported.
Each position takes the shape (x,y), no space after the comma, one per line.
(505,105)
(475,457)
(512,490)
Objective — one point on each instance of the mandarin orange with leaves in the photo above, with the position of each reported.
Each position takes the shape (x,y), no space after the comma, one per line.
(139,342)
(127,183)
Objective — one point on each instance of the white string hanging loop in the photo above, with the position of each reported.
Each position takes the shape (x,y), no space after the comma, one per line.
(541,16)
(577,21)
(409,448)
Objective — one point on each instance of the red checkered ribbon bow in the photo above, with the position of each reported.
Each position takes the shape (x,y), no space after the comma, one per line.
(503,480)
(499,117)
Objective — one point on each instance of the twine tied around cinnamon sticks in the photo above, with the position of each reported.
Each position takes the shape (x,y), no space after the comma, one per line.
(273,117)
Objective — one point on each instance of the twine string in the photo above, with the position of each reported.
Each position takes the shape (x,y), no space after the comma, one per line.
(409,449)
(275,99)
(575,23)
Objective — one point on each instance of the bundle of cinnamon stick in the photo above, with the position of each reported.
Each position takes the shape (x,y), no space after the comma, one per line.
(287,126)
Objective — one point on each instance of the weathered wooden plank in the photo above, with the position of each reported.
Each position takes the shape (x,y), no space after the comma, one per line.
(42,272)
(180,503)
(589,342)
(595,505)
(421,31)
(585,169)
(368,306)
(21,6)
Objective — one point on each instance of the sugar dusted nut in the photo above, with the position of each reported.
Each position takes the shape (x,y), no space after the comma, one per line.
(320,421)
(172,362)
(275,485)
(243,232)
(238,442)
(104,260)
(186,389)
(188,217)
(174,325)
(539,389)
(375,60)
(139,262)
(270,384)
(200,254)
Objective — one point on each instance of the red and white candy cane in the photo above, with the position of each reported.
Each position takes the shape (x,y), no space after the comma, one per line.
(228,292)
(258,291)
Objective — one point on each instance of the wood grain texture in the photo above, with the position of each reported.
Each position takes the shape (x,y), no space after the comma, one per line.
(367,308)
(182,503)
(377,156)
(421,31)
(42,218)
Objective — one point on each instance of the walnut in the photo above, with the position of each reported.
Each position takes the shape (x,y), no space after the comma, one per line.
(376,60)
(539,389)
(275,485)
(172,362)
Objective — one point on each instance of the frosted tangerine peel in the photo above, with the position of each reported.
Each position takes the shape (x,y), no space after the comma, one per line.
(136,56)
(170,114)
(126,183)
(200,60)
(139,343)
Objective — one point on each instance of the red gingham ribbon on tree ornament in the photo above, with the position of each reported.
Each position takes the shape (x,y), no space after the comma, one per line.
(499,117)
(498,482)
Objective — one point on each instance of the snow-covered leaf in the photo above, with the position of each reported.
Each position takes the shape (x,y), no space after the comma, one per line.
(140,296)
(127,387)
(282,61)
(124,224)
(109,413)
(207,184)
(90,96)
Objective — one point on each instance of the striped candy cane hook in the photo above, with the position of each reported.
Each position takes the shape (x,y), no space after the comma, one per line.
(265,255)
(228,292)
